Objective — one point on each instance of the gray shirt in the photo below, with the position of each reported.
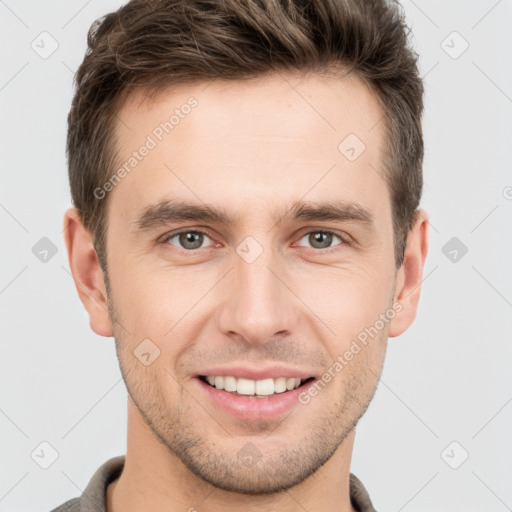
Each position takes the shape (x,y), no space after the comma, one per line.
(93,498)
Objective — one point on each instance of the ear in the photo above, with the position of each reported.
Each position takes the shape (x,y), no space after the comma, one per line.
(410,275)
(87,273)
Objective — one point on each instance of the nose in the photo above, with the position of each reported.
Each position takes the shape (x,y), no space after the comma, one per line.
(256,303)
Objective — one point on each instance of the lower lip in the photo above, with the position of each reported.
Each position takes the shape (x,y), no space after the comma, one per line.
(267,408)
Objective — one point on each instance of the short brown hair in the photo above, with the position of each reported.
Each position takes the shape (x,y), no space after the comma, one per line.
(151,45)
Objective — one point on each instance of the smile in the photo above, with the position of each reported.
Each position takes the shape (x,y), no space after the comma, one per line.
(253,400)
(253,388)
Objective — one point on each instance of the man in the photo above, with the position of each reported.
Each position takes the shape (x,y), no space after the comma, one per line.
(246,178)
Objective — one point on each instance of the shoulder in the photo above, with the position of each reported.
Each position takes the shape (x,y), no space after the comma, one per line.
(70,506)
(359,495)
(94,496)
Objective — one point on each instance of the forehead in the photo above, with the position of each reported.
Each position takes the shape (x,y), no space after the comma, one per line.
(249,146)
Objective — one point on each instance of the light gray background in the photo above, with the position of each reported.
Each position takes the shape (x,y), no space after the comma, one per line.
(446,379)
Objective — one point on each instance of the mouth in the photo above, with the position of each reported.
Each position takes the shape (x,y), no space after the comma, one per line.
(254,394)
(248,388)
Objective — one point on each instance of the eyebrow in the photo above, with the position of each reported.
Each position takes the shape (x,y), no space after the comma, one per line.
(169,211)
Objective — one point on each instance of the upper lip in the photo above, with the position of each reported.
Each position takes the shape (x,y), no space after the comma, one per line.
(256,373)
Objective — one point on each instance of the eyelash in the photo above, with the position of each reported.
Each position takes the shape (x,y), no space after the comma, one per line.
(343,239)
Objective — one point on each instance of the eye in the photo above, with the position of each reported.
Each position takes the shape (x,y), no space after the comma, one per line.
(193,239)
(322,239)
(189,240)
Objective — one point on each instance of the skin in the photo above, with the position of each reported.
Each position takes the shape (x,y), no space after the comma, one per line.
(248,147)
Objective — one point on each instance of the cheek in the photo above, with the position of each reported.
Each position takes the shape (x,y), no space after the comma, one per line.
(347,296)
(350,302)
(142,293)
(161,303)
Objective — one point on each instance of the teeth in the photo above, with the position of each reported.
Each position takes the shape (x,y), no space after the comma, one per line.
(280,385)
(290,384)
(245,386)
(265,387)
(249,387)
(230,384)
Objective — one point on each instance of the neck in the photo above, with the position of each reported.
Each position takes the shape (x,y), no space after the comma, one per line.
(155,479)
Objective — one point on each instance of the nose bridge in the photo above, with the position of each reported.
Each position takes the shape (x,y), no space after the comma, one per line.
(257,305)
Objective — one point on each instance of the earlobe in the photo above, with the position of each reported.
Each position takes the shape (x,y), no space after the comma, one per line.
(410,275)
(87,273)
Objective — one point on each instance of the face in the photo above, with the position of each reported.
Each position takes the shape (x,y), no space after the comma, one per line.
(247,242)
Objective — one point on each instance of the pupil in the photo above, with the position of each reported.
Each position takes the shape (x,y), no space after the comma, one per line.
(318,238)
(187,240)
